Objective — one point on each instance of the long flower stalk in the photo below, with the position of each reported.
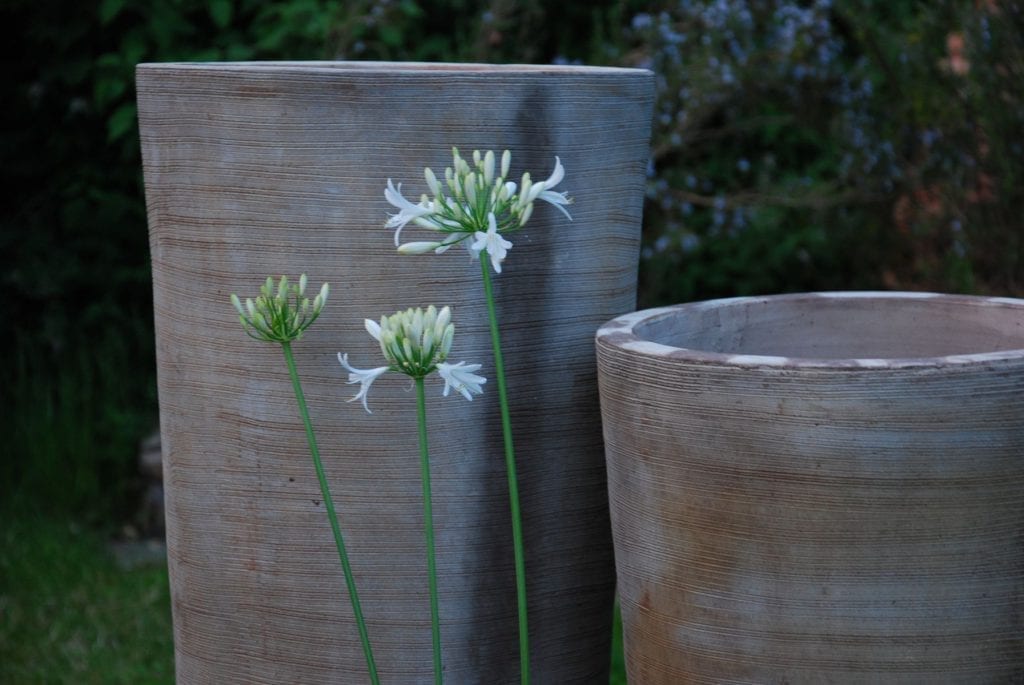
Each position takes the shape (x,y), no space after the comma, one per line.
(416,343)
(332,516)
(428,527)
(478,207)
(513,481)
(281,313)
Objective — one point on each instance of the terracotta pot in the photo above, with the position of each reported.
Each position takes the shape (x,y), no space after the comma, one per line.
(280,168)
(822,488)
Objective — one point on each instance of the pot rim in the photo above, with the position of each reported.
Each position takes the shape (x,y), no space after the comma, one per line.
(403,68)
(620,332)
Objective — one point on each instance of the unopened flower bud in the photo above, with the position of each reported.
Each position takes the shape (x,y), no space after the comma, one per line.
(524,188)
(506,161)
(446,340)
(417,247)
(443,319)
(489,167)
(435,187)
(525,215)
(280,313)
(427,344)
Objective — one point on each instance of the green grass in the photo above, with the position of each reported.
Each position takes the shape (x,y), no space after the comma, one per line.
(72,423)
(618,673)
(70,614)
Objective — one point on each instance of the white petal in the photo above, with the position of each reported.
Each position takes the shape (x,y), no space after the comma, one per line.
(479,243)
(557,199)
(365,378)
(373,328)
(461,377)
(496,260)
(492,242)
(407,211)
(394,196)
(556,176)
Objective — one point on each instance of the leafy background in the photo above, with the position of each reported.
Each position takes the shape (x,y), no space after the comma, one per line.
(798,145)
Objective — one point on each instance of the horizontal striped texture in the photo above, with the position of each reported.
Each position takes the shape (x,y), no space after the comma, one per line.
(280,168)
(823,488)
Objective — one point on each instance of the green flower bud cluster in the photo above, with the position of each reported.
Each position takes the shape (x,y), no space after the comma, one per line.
(281,312)
(470,193)
(415,341)
(473,202)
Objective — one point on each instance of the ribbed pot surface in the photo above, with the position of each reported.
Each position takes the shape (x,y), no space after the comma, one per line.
(255,169)
(821,488)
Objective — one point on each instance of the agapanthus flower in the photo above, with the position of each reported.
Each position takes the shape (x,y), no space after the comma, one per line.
(492,243)
(365,378)
(461,378)
(474,202)
(415,342)
(280,313)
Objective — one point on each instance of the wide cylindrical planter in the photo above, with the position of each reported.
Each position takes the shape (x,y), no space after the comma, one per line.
(819,488)
(263,169)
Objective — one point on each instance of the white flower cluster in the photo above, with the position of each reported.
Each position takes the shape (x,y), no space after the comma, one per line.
(416,342)
(282,312)
(474,202)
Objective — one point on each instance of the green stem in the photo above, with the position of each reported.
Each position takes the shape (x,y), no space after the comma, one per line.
(513,483)
(331,515)
(428,525)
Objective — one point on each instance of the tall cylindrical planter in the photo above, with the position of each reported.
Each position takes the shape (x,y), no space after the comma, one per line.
(820,488)
(280,168)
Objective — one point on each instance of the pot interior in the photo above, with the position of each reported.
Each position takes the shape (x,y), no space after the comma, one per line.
(842,326)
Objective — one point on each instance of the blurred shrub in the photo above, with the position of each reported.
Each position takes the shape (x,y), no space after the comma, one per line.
(808,145)
(951,98)
(73,242)
(798,145)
